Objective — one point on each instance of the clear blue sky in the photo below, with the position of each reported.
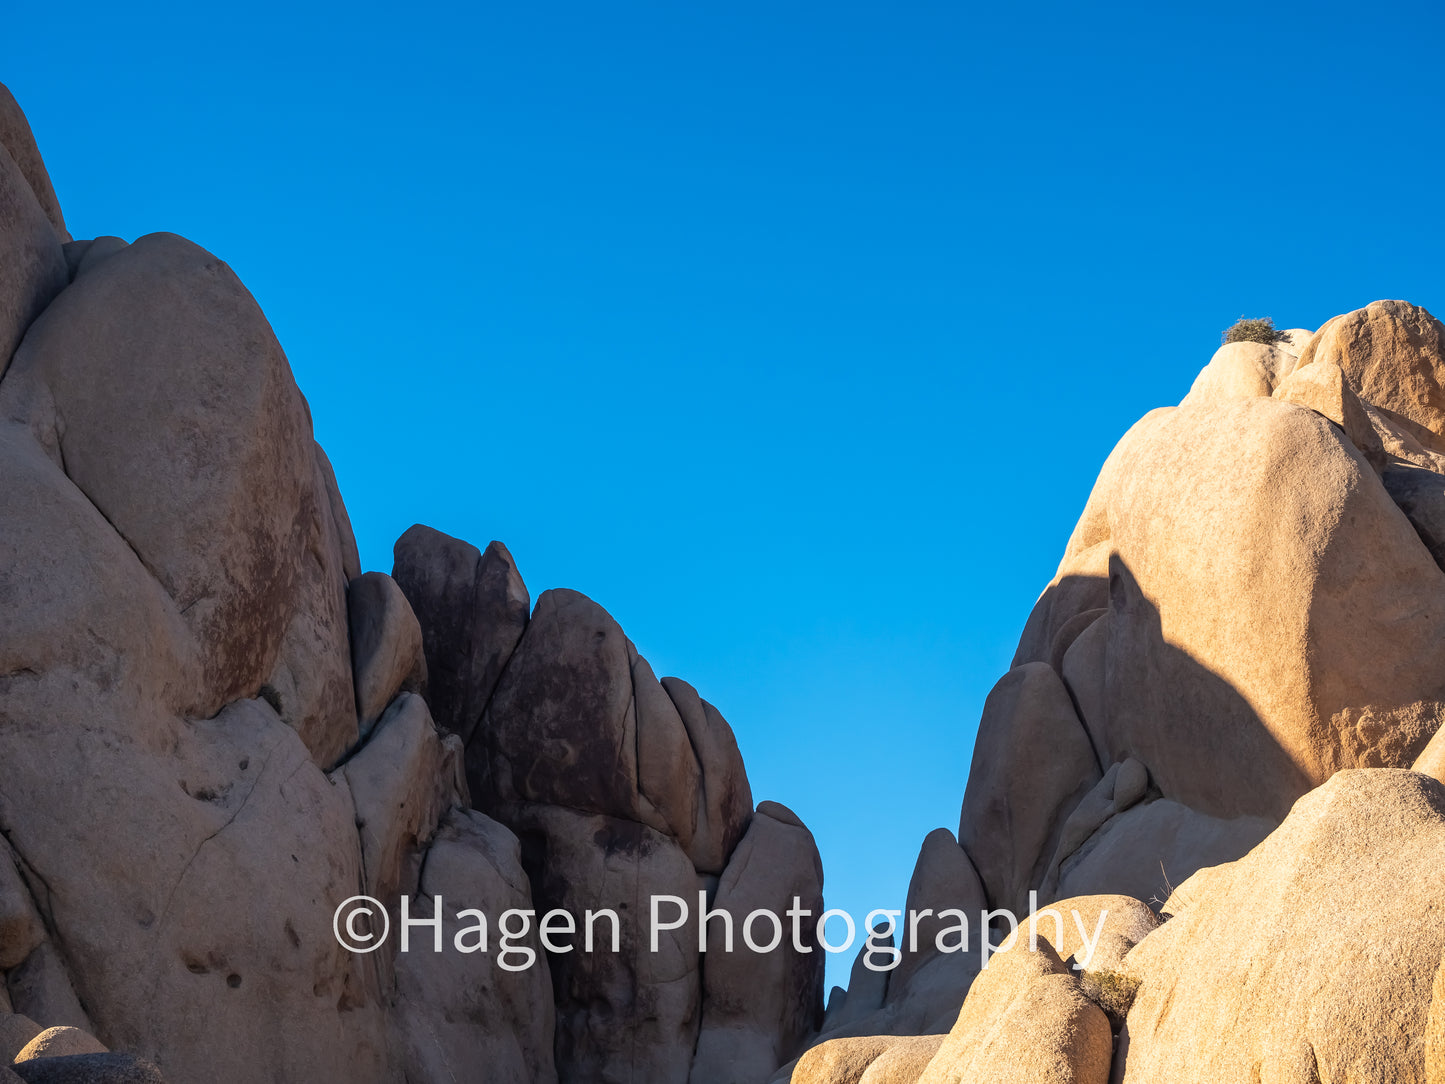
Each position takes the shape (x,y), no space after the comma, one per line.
(792,334)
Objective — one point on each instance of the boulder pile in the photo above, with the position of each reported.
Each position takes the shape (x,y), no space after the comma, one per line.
(1225,705)
(1218,751)
(216,728)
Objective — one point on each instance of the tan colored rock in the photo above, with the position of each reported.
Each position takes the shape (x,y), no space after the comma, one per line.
(1323,387)
(196,906)
(21,928)
(1081,583)
(1285,966)
(1400,444)
(725,800)
(1025,1019)
(929,1003)
(403,781)
(340,520)
(1017,798)
(841,1061)
(1394,354)
(473,607)
(1086,818)
(1242,370)
(1331,651)
(943,879)
(386,651)
(759,1008)
(308,684)
(183,427)
(458,1011)
(1147,849)
(1295,340)
(903,1062)
(16,1031)
(633,1014)
(1093,528)
(59,1042)
(1096,932)
(1431,761)
(42,986)
(17,138)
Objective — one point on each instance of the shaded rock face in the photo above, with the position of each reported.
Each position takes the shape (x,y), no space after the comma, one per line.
(621,788)
(759,1009)
(33,269)
(215,728)
(1283,966)
(472,607)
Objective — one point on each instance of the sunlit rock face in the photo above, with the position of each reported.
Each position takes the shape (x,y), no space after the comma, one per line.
(1216,755)
(1251,604)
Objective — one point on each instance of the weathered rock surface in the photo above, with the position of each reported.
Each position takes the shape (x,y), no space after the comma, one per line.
(21,928)
(457,1013)
(579,721)
(904,1061)
(59,1042)
(1284,965)
(1025,1019)
(635,1011)
(1144,850)
(157,386)
(402,782)
(841,1061)
(943,879)
(1420,494)
(1322,659)
(1032,763)
(1243,370)
(1394,354)
(759,1008)
(386,649)
(32,265)
(215,727)
(1323,387)
(17,139)
(1250,603)
(472,607)
(16,1031)
(724,800)
(1092,933)
(89,1069)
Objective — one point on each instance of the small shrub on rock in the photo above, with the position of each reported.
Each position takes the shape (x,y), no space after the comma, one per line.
(1244,330)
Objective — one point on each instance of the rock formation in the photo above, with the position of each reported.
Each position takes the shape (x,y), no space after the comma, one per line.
(217,731)
(216,728)
(1223,688)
